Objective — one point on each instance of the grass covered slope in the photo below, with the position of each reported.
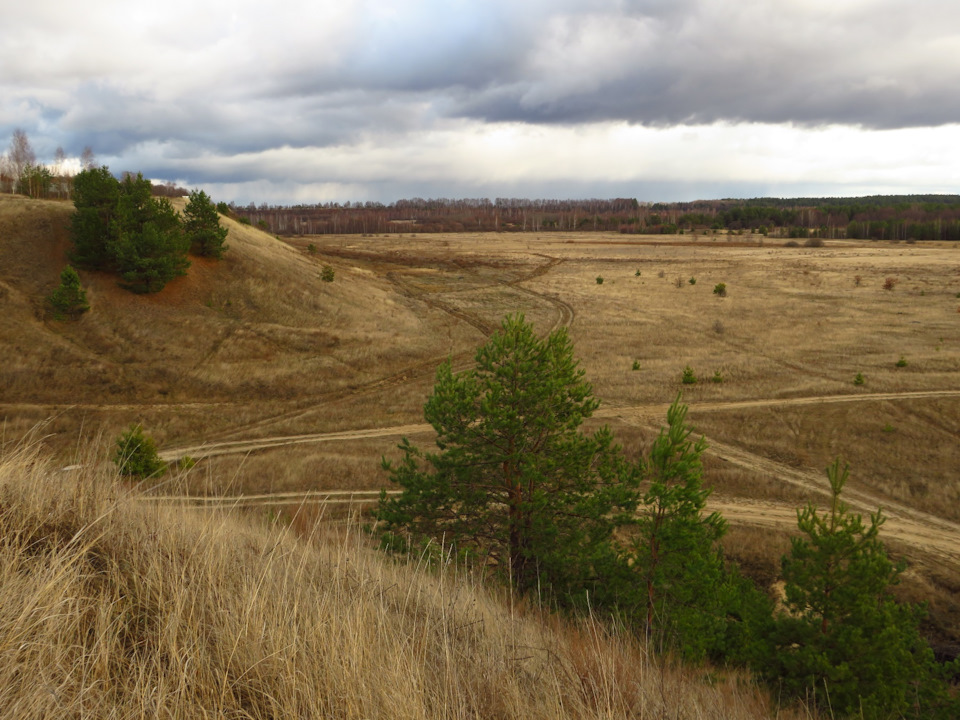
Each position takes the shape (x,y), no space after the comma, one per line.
(114,607)
(259,326)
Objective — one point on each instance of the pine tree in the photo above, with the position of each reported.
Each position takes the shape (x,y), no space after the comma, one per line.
(95,196)
(136,454)
(148,245)
(514,481)
(202,226)
(69,299)
(686,597)
(843,640)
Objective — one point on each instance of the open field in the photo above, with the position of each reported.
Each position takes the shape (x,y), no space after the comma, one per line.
(281,383)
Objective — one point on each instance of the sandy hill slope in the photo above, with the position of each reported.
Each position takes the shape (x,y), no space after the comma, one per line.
(258,326)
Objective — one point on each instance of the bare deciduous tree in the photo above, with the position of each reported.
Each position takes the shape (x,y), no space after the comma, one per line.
(88,160)
(20,155)
(59,169)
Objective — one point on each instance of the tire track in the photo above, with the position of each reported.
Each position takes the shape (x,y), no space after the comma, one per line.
(933,535)
(940,543)
(565,317)
(631,414)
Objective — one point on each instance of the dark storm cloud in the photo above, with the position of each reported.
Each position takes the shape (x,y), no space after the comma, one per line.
(217,90)
(299,75)
(876,65)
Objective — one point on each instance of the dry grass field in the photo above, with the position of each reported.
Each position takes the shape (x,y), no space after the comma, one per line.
(115,608)
(281,383)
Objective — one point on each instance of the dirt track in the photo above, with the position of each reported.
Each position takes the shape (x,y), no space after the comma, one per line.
(627,413)
(923,531)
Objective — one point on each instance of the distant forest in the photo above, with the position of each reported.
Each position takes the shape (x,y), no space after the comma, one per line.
(881,217)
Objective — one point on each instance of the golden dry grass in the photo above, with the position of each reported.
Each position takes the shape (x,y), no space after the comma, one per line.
(256,346)
(111,607)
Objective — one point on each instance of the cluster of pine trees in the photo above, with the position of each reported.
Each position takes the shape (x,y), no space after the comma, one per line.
(565,517)
(120,227)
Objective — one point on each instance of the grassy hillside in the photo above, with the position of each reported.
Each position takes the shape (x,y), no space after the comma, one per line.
(286,387)
(111,606)
(259,326)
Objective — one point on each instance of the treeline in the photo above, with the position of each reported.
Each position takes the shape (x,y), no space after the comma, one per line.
(893,217)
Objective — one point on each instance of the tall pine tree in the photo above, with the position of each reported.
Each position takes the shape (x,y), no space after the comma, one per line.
(514,481)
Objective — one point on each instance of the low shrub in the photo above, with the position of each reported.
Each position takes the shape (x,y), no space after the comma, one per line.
(599,280)
(720,289)
(136,454)
(688,377)
(327,273)
(859,379)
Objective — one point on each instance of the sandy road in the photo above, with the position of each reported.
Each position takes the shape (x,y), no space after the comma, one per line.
(928,533)
(939,540)
(628,414)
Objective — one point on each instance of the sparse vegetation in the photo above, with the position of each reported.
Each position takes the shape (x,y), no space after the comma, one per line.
(890,283)
(267,359)
(717,377)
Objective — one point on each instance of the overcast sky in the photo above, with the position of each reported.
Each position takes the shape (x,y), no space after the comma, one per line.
(313,101)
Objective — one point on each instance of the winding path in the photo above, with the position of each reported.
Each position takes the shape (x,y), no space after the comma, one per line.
(923,531)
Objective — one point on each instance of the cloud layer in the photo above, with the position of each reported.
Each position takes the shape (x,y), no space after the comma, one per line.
(362,96)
